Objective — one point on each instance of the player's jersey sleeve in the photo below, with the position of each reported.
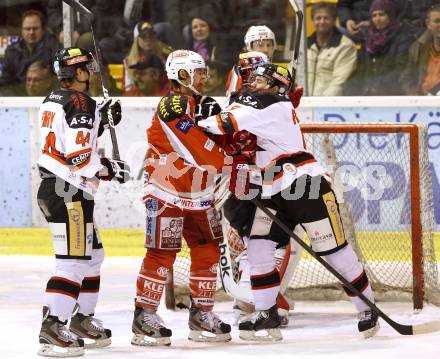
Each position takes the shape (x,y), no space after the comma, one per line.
(257,114)
(81,126)
(176,113)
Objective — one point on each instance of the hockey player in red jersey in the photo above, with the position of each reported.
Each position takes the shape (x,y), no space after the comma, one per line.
(180,204)
(70,167)
(287,169)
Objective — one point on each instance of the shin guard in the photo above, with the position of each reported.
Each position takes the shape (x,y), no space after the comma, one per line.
(203,275)
(152,277)
(346,262)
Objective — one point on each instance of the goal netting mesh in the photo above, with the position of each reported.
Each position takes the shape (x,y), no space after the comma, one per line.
(381,176)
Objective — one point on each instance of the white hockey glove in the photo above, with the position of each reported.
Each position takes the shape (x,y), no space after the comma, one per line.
(114,170)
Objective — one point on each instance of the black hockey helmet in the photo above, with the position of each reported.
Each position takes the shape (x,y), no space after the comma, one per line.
(276,76)
(67,60)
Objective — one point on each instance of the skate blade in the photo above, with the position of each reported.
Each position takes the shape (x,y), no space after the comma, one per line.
(264,335)
(371,332)
(146,341)
(50,350)
(206,337)
(100,343)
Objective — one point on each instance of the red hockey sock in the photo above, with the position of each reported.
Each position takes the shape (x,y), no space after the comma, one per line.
(203,275)
(152,277)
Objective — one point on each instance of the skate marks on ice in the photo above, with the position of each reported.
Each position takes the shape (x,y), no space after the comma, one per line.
(316,329)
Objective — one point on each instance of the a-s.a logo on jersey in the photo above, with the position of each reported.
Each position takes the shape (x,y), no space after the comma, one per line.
(184,125)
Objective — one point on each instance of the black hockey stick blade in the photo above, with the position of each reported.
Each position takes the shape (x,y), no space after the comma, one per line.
(75,4)
(403,329)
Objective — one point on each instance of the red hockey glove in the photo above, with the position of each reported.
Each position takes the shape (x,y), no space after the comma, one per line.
(295,96)
(239,183)
(241,142)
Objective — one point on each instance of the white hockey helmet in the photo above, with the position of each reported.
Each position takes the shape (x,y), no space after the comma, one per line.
(184,60)
(256,33)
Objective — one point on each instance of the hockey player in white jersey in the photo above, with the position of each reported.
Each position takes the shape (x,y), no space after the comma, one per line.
(70,168)
(292,185)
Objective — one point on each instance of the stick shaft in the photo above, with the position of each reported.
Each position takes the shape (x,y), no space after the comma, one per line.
(83,10)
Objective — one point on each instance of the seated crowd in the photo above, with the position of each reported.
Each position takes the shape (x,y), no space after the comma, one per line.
(358,47)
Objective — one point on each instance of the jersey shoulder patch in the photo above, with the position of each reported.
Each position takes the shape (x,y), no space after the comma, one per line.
(171,107)
(80,110)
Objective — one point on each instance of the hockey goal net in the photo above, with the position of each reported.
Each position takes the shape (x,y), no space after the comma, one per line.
(381,176)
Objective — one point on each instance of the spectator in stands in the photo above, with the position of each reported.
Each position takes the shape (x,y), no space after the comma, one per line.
(331,56)
(54,10)
(354,16)
(145,45)
(200,39)
(414,13)
(95,87)
(384,56)
(215,84)
(147,75)
(115,20)
(422,74)
(179,14)
(34,44)
(39,79)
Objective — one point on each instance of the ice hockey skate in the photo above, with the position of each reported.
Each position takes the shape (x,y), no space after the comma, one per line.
(207,327)
(262,325)
(242,309)
(91,331)
(149,330)
(368,324)
(56,340)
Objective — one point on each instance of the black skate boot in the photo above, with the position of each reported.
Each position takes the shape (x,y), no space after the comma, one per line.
(56,340)
(261,320)
(368,323)
(148,329)
(91,330)
(207,327)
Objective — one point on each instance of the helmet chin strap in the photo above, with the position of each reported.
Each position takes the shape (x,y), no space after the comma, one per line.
(87,82)
(190,86)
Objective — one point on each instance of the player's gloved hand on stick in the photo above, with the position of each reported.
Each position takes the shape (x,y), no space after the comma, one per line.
(114,170)
(109,111)
(239,183)
(207,107)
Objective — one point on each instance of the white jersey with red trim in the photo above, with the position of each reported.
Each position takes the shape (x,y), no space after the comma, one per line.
(69,124)
(282,151)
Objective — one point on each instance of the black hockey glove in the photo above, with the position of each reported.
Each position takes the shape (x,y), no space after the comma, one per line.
(109,111)
(114,170)
(207,107)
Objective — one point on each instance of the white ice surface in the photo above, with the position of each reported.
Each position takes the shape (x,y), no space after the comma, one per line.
(316,330)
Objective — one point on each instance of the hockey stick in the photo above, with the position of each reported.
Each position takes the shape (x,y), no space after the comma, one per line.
(75,4)
(298,34)
(403,329)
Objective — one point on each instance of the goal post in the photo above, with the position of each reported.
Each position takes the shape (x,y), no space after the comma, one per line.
(381,176)
(404,146)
